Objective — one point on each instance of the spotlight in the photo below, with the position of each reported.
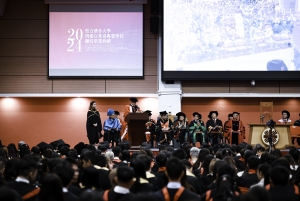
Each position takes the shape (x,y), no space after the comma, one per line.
(252,82)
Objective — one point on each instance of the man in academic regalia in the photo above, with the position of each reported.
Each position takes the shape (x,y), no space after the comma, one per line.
(197,129)
(285,117)
(230,117)
(164,128)
(93,124)
(131,108)
(175,171)
(214,128)
(180,127)
(23,184)
(297,122)
(235,129)
(150,128)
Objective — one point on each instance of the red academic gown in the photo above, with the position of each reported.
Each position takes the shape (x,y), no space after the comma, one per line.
(228,131)
(124,124)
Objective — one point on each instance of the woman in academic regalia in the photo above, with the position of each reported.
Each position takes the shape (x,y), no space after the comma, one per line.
(93,124)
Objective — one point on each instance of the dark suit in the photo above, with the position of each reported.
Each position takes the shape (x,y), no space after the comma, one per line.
(247,180)
(162,179)
(187,195)
(23,189)
(160,133)
(212,123)
(283,193)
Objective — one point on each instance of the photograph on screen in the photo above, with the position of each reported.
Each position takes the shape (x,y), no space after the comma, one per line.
(85,41)
(231,35)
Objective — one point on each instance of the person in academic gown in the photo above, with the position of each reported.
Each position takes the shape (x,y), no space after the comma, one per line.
(197,129)
(164,128)
(235,129)
(131,108)
(230,117)
(150,128)
(112,128)
(285,117)
(93,124)
(214,125)
(180,127)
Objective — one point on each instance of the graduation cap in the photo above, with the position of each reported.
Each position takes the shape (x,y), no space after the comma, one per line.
(79,147)
(211,112)
(149,112)
(287,113)
(59,142)
(235,113)
(196,113)
(230,115)
(117,112)
(163,113)
(133,99)
(42,146)
(180,114)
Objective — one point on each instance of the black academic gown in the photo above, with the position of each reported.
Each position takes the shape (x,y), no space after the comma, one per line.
(160,132)
(212,124)
(187,195)
(113,196)
(23,189)
(283,193)
(93,133)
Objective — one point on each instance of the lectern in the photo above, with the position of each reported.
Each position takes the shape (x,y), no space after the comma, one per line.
(136,127)
(259,132)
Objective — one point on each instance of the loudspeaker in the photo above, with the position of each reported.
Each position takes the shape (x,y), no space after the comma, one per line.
(154,7)
(154,25)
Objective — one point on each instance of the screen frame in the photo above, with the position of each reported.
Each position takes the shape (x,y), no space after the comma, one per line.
(97,77)
(218,75)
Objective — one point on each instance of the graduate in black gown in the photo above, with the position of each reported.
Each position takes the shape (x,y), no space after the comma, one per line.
(214,128)
(93,124)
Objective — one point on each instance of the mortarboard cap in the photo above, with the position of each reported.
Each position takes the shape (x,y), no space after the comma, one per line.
(133,99)
(163,113)
(211,112)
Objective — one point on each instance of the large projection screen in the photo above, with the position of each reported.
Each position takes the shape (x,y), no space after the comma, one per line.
(96,41)
(231,39)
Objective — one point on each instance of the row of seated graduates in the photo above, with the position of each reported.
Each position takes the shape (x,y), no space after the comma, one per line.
(210,172)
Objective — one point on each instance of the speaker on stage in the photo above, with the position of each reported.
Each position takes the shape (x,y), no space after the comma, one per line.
(154,25)
(154,7)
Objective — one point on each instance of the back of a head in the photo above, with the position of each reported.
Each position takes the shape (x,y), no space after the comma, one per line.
(72,154)
(65,172)
(101,161)
(125,174)
(203,152)
(90,177)
(277,153)
(179,153)
(51,188)
(238,149)
(206,164)
(161,160)
(279,176)
(226,169)
(102,148)
(64,150)
(90,156)
(36,150)
(27,167)
(139,168)
(11,170)
(281,162)
(253,162)
(264,168)
(194,152)
(260,193)
(247,155)
(186,163)
(225,187)
(117,151)
(217,166)
(146,160)
(89,195)
(295,154)
(226,152)
(174,168)
(126,155)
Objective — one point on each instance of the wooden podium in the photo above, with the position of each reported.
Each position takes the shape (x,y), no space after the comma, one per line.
(257,129)
(136,127)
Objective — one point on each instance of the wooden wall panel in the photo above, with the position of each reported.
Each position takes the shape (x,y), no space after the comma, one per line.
(25,84)
(25,9)
(146,85)
(24,29)
(24,47)
(205,86)
(150,47)
(290,86)
(150,65)
(260,87)
(78,86)
(24,66)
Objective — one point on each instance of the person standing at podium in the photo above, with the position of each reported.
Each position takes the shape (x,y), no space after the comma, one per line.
(285,117)
(235,129)
(164,128)
(93,124)
(214,127)
(131,108)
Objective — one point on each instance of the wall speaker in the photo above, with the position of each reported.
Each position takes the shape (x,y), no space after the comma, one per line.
(154,25)
(154,7)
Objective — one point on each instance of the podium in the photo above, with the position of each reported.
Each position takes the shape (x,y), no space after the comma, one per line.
(257,130)
(136,127)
